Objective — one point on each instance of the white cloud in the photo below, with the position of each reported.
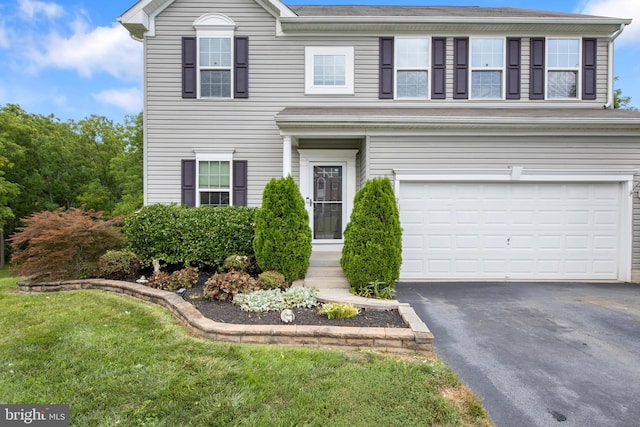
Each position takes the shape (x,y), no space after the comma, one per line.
(130,100)
(619,9)
(107,50)
(31,8)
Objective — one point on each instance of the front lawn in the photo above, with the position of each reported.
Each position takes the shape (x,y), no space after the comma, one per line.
(120,362)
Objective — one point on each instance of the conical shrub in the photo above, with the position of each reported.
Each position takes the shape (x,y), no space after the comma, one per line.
(372,250)
(283,236)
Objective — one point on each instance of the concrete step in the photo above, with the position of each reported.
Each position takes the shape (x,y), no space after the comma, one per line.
(325,272)
(326,283)
(325,259)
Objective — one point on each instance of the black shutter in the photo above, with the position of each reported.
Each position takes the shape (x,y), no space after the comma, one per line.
(241,67)
(461,68)
(589,54)
(438,68)
(189,67)
(536,83)
(386,68)
(188,182)
(513,68)
(240,182)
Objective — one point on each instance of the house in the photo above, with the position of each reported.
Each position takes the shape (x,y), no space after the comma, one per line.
(495,125)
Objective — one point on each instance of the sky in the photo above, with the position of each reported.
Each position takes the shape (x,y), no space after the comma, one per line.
(72,59)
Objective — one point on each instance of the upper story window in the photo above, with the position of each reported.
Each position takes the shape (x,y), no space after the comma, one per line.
(412,67)
(215,67)
(487,68)
(329,70)
(563,66)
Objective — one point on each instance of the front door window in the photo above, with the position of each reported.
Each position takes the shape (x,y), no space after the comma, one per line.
(327,202)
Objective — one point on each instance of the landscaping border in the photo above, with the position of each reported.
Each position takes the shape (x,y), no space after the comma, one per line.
(415,339)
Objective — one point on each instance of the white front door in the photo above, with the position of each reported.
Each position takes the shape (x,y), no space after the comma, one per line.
(328,185)
(327,205)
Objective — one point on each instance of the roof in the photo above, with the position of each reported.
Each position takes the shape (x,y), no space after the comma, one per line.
(585,120)
(428,11)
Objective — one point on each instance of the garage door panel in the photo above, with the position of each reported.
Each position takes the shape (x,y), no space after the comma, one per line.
(510,230)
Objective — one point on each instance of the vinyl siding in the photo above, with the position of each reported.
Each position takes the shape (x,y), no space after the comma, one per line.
(177,127)
(411,152)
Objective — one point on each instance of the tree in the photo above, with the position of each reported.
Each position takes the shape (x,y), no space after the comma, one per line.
(622,102)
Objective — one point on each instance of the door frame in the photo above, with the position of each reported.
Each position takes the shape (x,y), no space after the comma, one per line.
(316,157)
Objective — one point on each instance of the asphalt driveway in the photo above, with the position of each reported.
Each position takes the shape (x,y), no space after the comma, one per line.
(539,354)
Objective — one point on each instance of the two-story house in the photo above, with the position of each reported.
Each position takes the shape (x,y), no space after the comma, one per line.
(496,126)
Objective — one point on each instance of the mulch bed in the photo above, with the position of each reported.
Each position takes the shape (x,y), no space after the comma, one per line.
(226,312)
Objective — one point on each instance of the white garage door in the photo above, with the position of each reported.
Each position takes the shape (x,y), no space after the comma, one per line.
(510,230)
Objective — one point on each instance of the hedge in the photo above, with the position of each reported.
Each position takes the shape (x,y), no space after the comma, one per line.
(201,236)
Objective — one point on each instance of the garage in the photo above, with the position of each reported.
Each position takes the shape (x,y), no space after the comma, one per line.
(475,230)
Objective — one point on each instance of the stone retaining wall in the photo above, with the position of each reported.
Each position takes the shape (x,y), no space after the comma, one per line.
(415,339)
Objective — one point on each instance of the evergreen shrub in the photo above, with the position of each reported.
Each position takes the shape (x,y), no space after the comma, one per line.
(202,236)
(283,236)
(119,265)
(372,250)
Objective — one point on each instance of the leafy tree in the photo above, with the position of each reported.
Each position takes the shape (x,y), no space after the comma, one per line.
(283,235)
(127,167)
(622,102)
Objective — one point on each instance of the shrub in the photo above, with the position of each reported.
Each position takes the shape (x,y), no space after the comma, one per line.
(241,263)
(63,244)
(339,310)
(271,280)
(201,236)
(119,265)
(185,278)
(283,237)
(372,248)
(277,300)
(224,286)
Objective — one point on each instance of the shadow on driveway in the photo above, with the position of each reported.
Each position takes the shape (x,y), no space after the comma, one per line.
(539,354)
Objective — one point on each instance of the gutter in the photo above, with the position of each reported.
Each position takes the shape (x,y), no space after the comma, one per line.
(610,95)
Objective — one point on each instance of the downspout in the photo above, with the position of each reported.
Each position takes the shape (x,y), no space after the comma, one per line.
(610,95)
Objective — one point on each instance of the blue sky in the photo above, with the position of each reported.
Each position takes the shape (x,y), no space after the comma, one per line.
(71,58)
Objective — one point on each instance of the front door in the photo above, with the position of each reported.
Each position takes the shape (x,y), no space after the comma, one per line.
(328,208)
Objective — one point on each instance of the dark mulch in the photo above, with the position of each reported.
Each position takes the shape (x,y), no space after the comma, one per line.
(226,312)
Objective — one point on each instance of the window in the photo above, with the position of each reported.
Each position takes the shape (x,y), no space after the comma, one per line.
(329,70)
(563,64)
(215,67)
(487,68)
(214,181)
(412,67)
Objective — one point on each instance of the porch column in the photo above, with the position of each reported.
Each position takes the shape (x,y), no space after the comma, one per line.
(286,156)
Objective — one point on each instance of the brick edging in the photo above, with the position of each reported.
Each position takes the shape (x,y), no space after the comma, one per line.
(415,338)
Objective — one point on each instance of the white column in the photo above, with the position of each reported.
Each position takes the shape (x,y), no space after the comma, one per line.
(286,156)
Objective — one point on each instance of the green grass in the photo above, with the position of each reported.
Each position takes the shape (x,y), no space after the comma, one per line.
(120,362)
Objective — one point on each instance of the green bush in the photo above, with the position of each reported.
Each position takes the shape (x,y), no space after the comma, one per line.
(271,280)
(372,250)
(119,265)
(283,236)
(241,263)
(339,310)
(201,236)
(224,286)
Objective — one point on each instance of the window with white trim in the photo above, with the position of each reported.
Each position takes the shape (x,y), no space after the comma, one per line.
(215,66)
(487,68)
(214,174)
(563,67)
(329,70)
(412,67)
(215,34)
